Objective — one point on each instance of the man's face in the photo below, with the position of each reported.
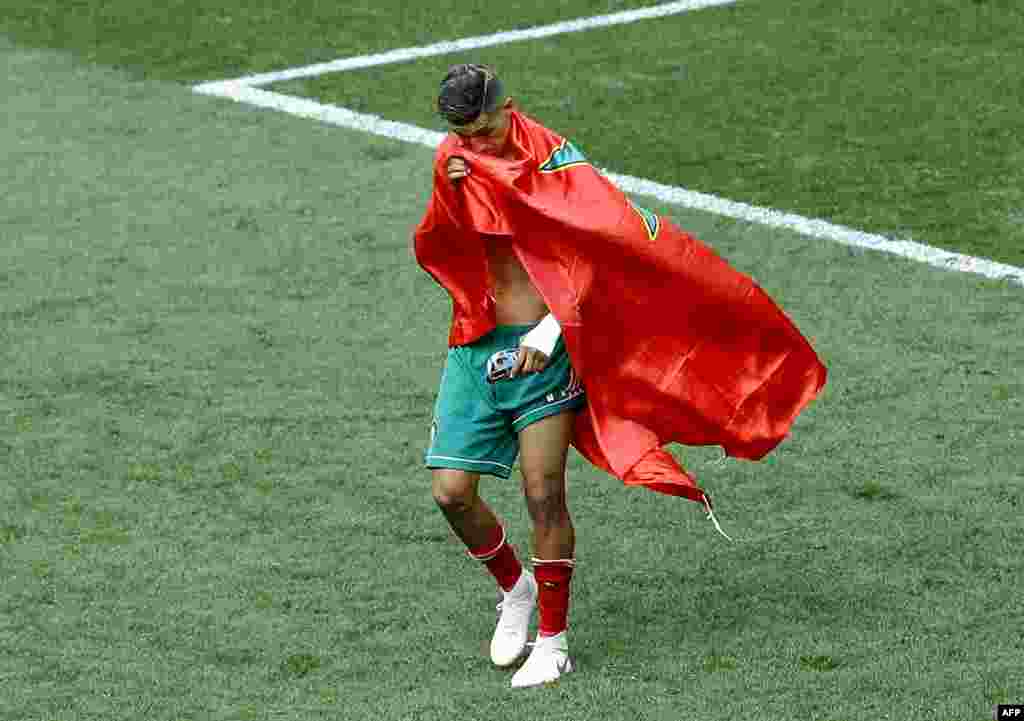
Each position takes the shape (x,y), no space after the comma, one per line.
(488,133)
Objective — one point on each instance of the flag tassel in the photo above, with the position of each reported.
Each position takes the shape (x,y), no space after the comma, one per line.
(711,515)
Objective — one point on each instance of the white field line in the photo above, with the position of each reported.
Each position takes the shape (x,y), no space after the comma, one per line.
(376,125)
(443,48)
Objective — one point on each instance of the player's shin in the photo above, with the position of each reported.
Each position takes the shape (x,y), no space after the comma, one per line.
(499,558)
(553,578)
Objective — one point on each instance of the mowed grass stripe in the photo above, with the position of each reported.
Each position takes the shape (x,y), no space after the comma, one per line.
(218,366)
(898,121)
(815,228)
(194,40)
(400,55)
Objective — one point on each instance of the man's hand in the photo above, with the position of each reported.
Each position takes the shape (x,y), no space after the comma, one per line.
(530,360)
(457,169)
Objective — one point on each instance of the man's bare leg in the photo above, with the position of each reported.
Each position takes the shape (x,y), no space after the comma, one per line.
(455,493)
(543,449)
(473,521)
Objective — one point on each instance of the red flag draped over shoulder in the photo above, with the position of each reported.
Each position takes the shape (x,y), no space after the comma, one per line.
(671,342)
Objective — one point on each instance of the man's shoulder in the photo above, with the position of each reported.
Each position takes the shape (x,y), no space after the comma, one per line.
(542,139)
(532,121)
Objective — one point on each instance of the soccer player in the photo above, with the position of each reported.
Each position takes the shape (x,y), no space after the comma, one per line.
(480,426)
(559,283)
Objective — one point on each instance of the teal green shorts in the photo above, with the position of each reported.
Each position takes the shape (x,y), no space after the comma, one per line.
(476,424)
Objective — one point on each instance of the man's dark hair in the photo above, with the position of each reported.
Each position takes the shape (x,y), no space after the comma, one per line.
(462,96)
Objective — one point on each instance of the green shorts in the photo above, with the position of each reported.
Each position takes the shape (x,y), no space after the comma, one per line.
(476,424)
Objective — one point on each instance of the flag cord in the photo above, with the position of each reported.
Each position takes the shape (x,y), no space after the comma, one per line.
(711,515)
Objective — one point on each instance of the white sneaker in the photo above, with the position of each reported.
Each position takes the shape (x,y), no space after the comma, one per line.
(547,662)
(515,609)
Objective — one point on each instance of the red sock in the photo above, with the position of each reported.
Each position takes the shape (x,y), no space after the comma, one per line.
(500,559)
(553,593)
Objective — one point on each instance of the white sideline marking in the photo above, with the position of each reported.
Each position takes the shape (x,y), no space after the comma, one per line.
(244,90)
(482,41)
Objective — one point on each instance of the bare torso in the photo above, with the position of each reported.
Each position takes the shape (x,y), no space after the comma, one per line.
(516,300)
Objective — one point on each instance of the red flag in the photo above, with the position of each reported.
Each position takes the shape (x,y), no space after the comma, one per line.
(671,342)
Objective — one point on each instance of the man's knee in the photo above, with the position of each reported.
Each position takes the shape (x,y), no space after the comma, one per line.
(454,490)
(545,498)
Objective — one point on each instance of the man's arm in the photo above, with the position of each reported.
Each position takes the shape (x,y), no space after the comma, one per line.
(544,336)
(536,347)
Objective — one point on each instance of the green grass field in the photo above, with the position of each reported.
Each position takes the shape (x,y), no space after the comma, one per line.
(219,362)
